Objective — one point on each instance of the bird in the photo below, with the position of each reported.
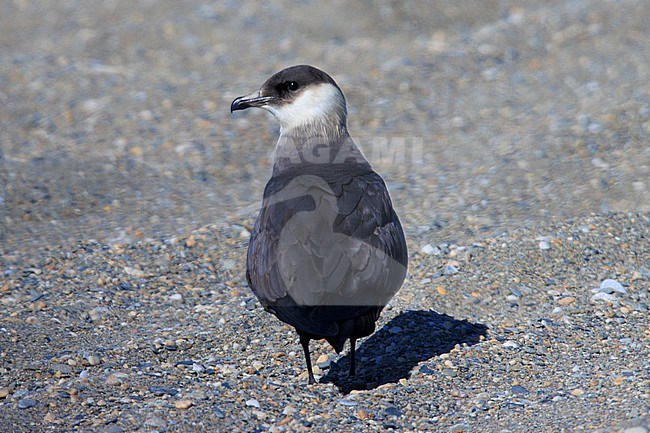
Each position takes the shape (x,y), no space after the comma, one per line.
(327,251)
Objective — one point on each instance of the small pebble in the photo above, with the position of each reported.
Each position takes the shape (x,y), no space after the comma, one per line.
(611,286)
(134,272)
(156,422)
(457,394)
(198,394)
(93,360)
(363,414)
(449,372)
(393,411)
(160,391)
(112,380)
(26,403)
(176,297)
(518,389)
(603,297)
(97,313)
(259,414)
(63,368)
(253,403)
(183,404)
(566,301)
(429,250)
(449,270)
(289,410)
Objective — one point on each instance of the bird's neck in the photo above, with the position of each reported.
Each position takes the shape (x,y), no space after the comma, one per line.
(321,143)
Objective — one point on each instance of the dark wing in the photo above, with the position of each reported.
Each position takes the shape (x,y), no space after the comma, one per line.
(327,246)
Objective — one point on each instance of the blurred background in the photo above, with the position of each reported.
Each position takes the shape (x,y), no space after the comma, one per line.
(115,123)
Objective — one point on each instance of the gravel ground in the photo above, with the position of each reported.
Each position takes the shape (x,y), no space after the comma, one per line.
(513,137)
(544,332)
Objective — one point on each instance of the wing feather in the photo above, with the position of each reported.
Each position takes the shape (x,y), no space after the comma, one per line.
(326,246)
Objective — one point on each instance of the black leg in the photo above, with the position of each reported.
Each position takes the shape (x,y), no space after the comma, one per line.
(353,343)
(304,341)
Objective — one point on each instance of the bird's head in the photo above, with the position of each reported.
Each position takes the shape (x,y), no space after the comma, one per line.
(302,98)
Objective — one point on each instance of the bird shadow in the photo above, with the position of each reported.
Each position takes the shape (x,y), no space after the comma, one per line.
(393,351)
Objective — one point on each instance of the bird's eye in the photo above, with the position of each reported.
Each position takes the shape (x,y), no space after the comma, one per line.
(293,86)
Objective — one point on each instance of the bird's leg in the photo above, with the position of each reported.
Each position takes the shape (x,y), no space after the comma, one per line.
(353,343)
(304,341)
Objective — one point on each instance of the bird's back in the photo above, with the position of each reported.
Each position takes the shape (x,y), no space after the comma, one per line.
(327,251)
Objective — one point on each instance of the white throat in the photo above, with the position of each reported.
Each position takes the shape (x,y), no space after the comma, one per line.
(320,108)
(313,130)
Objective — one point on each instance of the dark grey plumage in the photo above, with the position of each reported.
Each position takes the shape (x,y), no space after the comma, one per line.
(327,251)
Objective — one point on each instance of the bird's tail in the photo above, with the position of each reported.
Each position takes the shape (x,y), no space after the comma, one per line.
(338,341)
